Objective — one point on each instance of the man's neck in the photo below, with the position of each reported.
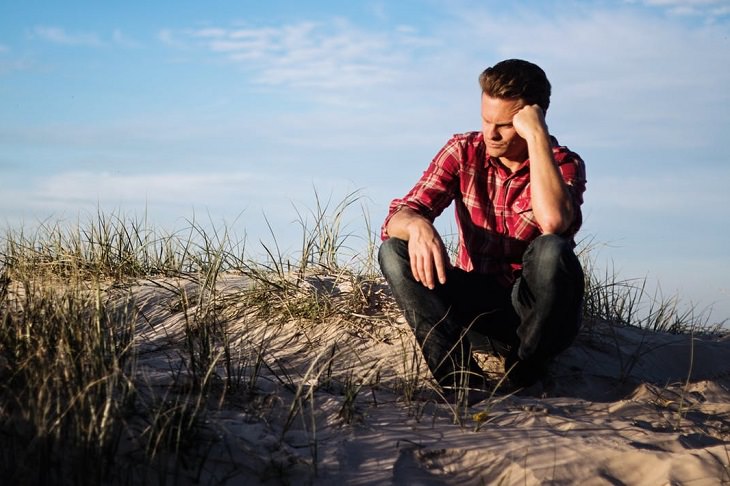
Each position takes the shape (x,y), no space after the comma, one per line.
(512,165)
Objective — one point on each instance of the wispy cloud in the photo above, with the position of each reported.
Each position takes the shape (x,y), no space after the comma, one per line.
(619,68)
(170,38)
(318,55)
(9,66)
(10,62)
(91,187)
(710,11)
(671,193)
(121,39)
(180,189)
(634,77)
(255,200)
(58,35)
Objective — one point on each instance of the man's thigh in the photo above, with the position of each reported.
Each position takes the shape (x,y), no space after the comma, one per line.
(483,305)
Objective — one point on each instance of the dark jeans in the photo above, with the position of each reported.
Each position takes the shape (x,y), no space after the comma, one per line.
(529,324)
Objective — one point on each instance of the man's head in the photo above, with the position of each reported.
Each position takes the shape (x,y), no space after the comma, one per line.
(517,79)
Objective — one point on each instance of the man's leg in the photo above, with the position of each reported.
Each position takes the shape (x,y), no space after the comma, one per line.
(432,315)
(548,298)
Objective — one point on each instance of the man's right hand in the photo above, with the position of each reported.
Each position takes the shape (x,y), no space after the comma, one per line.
(426,250)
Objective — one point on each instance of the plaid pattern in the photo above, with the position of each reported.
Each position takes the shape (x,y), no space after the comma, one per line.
(493,206)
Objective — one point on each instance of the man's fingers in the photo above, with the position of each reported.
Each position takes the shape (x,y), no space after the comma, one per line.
(420,265)
(428,271)
(440,264)
(428,263)
(415,268)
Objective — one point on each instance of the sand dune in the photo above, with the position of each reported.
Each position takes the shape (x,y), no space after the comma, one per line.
(346,401)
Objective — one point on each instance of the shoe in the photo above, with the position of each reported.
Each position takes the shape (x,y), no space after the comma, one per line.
(524,373)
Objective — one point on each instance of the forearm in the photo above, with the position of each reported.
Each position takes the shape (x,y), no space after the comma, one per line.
(405,223)
(551,202)
(552,205)
(425,248)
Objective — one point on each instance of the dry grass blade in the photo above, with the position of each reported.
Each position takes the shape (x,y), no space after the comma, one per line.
(80,396)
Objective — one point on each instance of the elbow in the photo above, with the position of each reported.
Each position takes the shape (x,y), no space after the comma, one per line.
(553,228)
(557,223)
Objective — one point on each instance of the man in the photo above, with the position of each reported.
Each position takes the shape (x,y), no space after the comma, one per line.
(516,279)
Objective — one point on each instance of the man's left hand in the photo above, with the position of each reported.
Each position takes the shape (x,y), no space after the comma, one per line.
(529,122)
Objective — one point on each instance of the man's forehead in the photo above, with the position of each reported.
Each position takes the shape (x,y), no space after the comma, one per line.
(500,110)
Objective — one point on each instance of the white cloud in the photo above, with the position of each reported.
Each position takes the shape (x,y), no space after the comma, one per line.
(314,55)
(11,62)
(58,35)
(121,39)
(216,189)
(711,10)
(210,32)
(627,78)
(671,193)
(130,188)
(619,75)
(168,38)
(686,4)
(14,65)
(258,203)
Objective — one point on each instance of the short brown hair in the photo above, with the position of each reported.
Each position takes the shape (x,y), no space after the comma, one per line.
(515,78)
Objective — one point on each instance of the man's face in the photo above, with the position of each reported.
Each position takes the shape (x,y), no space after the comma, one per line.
(500,136)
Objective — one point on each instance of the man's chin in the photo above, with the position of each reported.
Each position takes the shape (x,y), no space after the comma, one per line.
(495,151)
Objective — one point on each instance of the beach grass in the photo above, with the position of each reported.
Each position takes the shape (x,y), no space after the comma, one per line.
(77,407)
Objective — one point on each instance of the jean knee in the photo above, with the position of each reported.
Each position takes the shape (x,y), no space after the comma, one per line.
(549,260)
(393,257)
(549,250)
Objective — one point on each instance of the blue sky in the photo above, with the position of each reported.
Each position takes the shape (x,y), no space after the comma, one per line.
(225,111)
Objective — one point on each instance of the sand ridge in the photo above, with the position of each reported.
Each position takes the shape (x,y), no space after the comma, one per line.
(330,403)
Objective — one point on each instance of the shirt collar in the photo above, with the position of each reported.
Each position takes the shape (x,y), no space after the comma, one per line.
(494,162)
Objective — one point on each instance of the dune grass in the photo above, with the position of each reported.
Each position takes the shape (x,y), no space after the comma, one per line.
(627,302)
(65,383)
(74,408)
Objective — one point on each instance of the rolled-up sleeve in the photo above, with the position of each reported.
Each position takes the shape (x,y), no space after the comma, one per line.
(572,168)
(436,188)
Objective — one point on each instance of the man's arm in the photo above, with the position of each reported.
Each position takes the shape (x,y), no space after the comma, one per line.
(551,202)
(425,247)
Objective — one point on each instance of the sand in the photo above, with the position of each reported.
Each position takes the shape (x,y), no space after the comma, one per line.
(330,402)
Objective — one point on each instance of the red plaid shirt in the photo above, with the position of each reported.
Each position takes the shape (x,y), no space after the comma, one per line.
(493,206)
